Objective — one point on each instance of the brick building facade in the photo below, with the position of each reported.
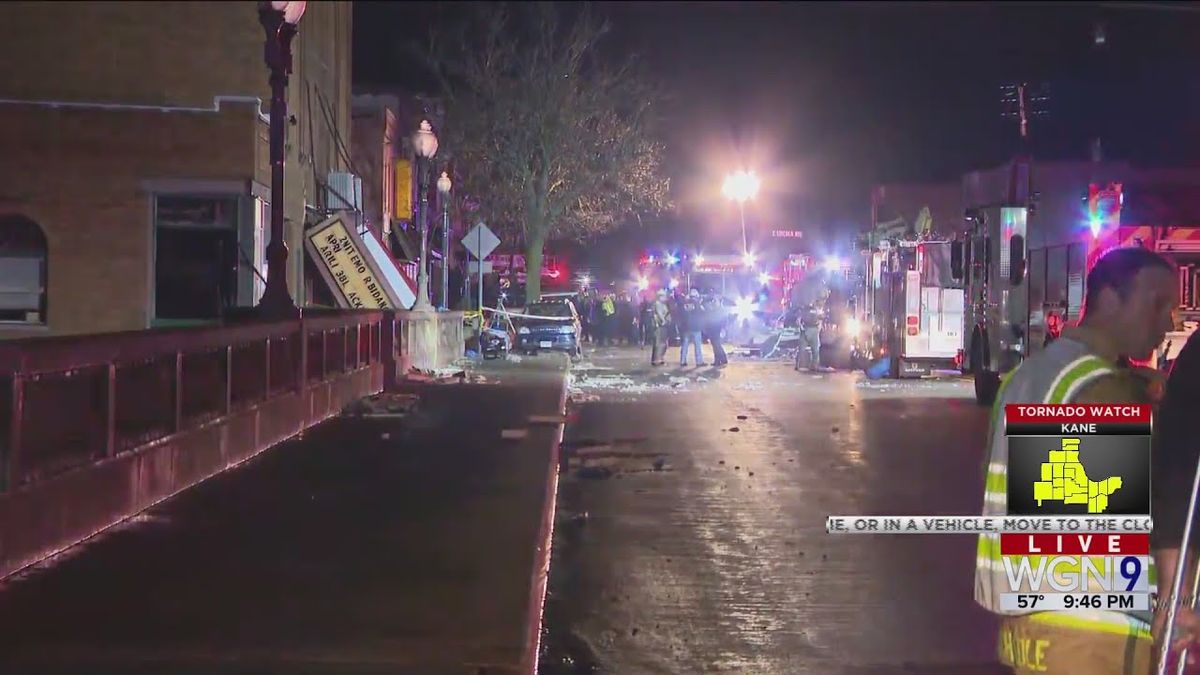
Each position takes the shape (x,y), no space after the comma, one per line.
(134,138)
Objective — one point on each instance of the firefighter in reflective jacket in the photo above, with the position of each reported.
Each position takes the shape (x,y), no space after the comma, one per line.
(1130,297)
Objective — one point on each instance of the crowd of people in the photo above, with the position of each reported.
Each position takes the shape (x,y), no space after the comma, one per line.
(609,319)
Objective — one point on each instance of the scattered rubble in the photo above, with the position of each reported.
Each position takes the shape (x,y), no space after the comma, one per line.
(383,405)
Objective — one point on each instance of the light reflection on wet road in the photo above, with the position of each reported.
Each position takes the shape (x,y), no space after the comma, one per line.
(719,563)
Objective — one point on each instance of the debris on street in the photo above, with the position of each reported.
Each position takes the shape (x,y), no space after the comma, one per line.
(383,405)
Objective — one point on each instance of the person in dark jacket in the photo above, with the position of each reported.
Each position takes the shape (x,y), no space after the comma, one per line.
(691,321)
(587,308)
(625,320)
(645,320)
(715,316)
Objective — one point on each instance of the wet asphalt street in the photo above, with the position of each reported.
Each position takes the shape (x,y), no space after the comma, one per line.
(691,540)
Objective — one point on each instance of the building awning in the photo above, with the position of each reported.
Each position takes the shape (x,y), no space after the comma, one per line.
(404,244)
(357,268)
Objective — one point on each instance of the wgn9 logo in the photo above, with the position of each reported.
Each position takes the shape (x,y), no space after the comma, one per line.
(1078,574)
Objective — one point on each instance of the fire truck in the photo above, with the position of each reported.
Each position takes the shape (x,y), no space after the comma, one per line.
(1024,253)
(913,305)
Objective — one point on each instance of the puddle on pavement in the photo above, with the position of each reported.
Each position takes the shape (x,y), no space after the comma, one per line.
(565,653)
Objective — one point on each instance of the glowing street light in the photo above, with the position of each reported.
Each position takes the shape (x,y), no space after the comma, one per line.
(643,283)
(672,259)
(699,259)
(741,186)
(748,259)
(743,308)
(674,284)
(764,279)
(833,263)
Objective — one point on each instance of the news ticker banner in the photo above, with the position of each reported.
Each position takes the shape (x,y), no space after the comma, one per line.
(1075,534)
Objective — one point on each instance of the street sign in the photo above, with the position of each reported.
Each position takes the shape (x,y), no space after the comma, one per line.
(480,241)
(473,267)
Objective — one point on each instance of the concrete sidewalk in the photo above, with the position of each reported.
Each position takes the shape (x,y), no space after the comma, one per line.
(400,545)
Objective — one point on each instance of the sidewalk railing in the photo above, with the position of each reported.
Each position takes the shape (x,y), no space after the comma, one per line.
(70,401)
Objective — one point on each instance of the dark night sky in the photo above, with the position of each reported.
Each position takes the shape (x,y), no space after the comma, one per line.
(826,99)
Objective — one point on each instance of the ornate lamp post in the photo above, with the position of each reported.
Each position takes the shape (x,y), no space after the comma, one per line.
(443,186)
(280,20)
(425,144)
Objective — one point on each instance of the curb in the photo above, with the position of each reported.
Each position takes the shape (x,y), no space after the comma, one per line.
(540,576)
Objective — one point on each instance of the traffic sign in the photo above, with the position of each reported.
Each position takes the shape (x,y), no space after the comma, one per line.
(480,241)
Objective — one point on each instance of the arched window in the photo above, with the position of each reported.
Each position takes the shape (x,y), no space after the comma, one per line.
(22,271)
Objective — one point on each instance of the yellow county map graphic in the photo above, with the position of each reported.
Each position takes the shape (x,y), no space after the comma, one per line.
(1064,480)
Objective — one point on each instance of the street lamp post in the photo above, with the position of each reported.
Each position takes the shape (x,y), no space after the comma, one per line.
(741,186)
(425,144)
(443,186)
(280,20)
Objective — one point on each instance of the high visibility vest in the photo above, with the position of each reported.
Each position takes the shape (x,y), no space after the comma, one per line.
(1055,375)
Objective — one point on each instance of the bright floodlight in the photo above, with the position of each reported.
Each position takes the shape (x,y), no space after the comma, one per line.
(764,279)
(672,259)
(741,186)
(674,283)
(699,259)
(748,259)
(643,283)
(744,308)
(853,326)
(833,263)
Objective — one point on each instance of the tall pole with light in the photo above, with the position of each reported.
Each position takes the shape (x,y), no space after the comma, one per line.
(280,20)
(425,145)
(443,186)
(741,186)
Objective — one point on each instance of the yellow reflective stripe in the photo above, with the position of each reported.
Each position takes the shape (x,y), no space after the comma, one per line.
(1118,625)
(988,547)
(1087,367)
(997,482)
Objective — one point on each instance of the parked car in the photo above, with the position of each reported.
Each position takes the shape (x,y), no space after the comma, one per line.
(548,325)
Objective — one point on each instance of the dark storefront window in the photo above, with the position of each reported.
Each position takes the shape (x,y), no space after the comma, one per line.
(196,260)
(22,271)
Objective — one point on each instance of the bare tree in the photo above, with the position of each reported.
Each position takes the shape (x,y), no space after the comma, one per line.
(553,141)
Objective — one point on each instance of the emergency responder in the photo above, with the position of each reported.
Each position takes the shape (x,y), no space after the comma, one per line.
(658,329)
(645,320)
(715,318)
(810,297)
(1174,454)
(691,322)
(1130,297)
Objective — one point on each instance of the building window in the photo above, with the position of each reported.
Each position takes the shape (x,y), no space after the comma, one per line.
(196,257)
(22,271)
